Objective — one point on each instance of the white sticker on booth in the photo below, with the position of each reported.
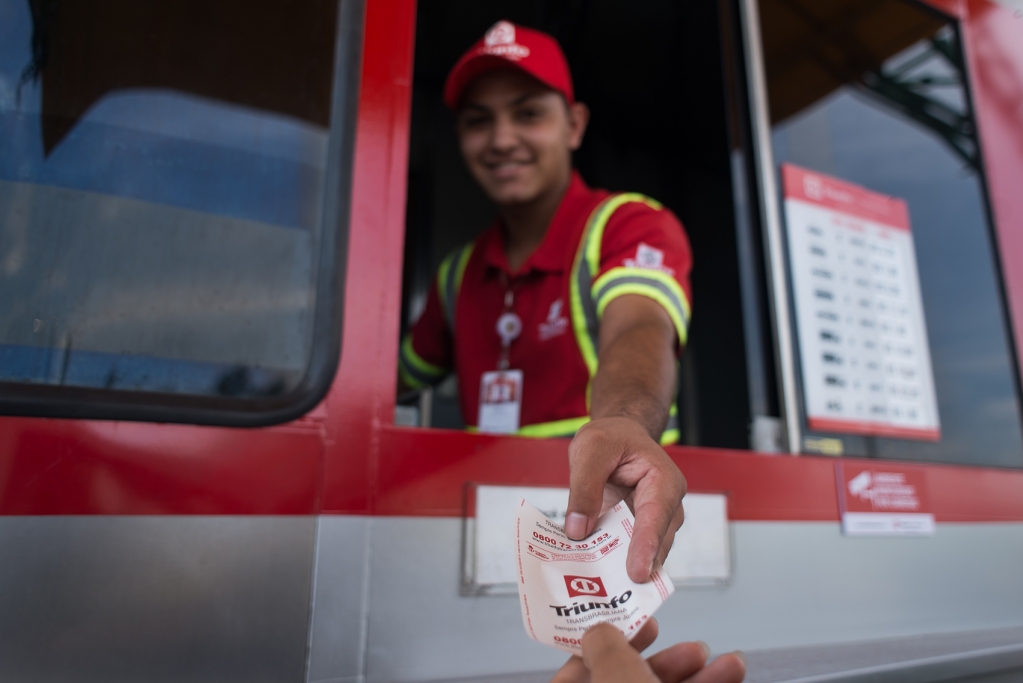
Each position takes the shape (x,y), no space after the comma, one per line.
(701,553)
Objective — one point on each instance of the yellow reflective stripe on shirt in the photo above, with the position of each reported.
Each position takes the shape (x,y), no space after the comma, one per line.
(655,277)
(580,321)
(463,261)
(545,430)
(407,379)
(568,427)
(557,428)
(586,265)
(442,278)
(671,433)
(449,281)
(595,237)
(413,370)
(653,284)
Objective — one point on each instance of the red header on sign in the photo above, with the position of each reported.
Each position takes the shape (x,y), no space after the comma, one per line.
(884,488)
(826,424)
(839,195)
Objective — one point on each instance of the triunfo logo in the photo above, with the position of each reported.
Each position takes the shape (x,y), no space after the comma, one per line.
(582,608)
(500,41)
(585,586)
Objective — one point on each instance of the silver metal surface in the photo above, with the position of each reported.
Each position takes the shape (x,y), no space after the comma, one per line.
(136,599)
(952,667)
(794,584)
(228,599)
(337,641)
(420,628)
(774,242)
(991,656)
(916,658)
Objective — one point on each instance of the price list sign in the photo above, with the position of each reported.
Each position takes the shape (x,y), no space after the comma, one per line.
(863,342)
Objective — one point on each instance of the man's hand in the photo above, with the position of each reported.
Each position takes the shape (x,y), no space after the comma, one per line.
(615,456)
(613,459)
(609,658)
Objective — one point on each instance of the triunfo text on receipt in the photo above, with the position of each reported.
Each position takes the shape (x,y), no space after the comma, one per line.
(566,586)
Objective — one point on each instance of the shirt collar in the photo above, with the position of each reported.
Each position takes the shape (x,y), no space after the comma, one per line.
(551,255)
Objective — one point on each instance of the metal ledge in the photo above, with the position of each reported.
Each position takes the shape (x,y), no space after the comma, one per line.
(962,666)
(988,656)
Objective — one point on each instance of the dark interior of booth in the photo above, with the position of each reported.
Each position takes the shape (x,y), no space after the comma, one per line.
(652,74)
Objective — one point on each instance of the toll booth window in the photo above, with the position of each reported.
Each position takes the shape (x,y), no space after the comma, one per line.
(875,94)
(166,201)
(651,75)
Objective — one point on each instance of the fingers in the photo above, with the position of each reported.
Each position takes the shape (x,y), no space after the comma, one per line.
(669,539)
(573,671)
(685,663)
(658,503)
(730,668)
(646,636)
(614,495)
(591,459)
(610,658)
(678,662)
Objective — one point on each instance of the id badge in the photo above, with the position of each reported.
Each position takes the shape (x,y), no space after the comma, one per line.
(500,402)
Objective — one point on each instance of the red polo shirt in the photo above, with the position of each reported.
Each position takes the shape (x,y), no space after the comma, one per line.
(643,250)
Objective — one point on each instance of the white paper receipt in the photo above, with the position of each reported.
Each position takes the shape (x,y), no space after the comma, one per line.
(566,586)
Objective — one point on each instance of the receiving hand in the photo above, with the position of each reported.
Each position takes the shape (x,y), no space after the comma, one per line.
(609,658)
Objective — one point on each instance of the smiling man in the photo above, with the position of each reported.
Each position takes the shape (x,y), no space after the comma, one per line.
(566,316)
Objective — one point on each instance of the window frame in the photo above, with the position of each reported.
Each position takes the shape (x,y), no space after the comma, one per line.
(87,403)
(763,179)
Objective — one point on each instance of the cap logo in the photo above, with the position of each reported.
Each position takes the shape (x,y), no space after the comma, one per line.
(500,41)
(501,33)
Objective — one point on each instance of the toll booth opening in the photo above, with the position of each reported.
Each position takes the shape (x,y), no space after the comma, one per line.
(652,75)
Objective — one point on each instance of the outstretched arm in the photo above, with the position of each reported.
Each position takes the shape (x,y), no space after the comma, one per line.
(616,455)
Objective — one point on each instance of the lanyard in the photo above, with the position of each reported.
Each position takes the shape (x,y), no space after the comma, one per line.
(509,325)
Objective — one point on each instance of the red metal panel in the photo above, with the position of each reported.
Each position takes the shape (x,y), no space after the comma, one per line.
(363,392)
(426,473)
(64,467)
(993,39)
(974,494)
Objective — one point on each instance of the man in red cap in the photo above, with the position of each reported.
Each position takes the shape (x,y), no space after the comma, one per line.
(566,316)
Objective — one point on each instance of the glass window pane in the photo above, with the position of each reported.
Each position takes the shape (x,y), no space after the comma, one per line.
(162,172)
(874,93)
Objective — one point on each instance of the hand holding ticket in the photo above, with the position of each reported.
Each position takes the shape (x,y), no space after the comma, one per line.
(566,586)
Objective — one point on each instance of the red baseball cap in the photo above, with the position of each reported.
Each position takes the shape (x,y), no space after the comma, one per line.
(504,46)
